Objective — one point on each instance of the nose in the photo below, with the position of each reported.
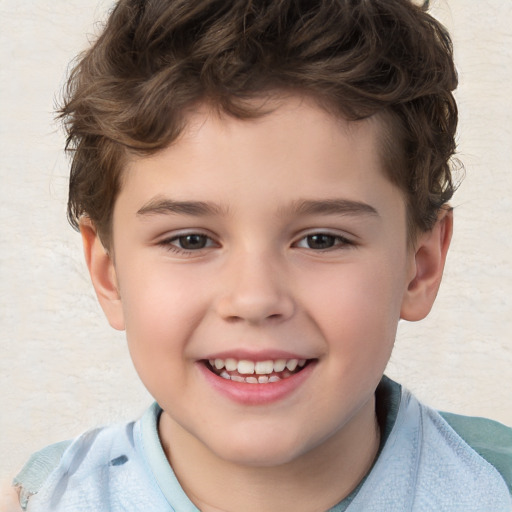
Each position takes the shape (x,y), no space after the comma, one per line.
(254,289)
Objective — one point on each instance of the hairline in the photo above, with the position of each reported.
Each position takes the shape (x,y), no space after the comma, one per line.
(388,137)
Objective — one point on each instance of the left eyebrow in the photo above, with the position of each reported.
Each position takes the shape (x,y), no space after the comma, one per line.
(165,206)
(333,207)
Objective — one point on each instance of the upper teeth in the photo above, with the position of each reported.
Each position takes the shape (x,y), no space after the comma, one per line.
(245,367)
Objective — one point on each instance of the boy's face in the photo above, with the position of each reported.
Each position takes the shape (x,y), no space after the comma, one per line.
(261,240)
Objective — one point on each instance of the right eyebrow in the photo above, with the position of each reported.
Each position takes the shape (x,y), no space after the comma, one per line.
(165,206)
(333,207)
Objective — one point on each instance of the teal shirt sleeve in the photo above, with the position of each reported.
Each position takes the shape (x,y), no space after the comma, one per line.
(490,439)
(37,469)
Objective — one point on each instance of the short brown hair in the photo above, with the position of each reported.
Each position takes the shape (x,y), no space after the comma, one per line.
(156,59)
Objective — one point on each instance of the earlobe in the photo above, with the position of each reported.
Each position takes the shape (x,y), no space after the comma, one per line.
(427,268)
(103,274)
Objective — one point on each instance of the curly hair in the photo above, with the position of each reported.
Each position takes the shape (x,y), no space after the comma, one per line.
(157,59)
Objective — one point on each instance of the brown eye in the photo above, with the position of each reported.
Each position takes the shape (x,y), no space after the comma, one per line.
(321,241)
(192,242)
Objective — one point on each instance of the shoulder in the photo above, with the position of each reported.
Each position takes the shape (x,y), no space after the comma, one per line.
(37,469)
(425,464)
(490,439)
(92,450)
(103,469)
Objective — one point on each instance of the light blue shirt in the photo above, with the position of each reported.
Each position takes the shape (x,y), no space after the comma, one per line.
(424,465)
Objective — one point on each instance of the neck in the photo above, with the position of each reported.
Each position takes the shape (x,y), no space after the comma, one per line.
(315,481)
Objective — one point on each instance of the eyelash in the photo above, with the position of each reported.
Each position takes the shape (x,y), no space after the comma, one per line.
(171,244)
(338,241)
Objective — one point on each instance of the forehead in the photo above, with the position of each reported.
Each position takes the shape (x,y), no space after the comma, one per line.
(296,149)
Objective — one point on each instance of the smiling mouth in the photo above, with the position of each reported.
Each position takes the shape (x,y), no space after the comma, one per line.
(256,372)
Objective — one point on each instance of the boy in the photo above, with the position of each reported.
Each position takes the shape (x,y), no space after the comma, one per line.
(262,192)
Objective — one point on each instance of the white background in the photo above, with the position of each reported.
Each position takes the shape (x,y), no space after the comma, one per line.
(63,369)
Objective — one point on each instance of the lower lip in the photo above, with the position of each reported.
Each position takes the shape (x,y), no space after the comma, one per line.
(257,394)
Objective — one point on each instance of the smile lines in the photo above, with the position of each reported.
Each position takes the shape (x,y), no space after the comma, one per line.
(259,372)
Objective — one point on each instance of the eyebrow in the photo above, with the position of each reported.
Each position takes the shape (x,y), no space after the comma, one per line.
(333,207)
(163,206)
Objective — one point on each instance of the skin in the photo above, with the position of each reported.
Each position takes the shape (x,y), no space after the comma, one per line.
(260,285)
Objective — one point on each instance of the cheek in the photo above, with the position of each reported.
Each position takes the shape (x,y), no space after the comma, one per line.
(161,309)
(160,318)
(357,307)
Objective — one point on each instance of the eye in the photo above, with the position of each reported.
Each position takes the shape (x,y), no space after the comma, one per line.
(188,243)
(322,241)
(191,242)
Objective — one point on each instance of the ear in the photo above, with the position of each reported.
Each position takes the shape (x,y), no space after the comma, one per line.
(427,265)
(103,274)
